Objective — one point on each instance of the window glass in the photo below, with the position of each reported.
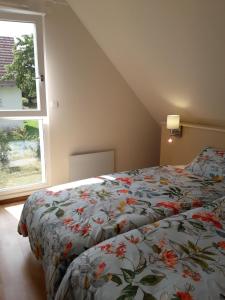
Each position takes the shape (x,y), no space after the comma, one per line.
(18,66)
(21,153)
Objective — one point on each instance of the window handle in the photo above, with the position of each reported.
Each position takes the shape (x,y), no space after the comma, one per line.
(41,77)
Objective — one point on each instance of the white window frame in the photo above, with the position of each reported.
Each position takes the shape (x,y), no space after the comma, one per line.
(41,111)
(40,70)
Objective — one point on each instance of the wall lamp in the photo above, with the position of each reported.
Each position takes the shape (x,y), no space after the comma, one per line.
(173,124)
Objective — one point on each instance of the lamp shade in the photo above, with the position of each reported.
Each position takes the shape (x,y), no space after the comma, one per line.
(173,122)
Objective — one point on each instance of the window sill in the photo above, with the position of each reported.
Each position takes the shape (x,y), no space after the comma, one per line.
(7,195)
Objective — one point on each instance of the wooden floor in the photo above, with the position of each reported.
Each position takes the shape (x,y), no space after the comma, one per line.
(21,276)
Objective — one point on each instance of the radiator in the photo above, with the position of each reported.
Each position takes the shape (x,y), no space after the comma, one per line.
(82,166)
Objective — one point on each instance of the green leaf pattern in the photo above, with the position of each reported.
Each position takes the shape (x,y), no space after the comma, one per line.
(64,222)
(177,264)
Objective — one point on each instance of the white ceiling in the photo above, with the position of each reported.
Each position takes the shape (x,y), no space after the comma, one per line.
(171,52)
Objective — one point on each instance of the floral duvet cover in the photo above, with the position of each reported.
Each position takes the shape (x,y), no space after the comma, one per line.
(63,224)
(179,258)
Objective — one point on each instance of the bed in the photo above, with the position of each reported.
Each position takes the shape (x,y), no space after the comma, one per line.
(178,258)
(63,223)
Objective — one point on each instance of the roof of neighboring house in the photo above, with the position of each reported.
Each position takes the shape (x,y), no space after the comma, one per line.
(6,56)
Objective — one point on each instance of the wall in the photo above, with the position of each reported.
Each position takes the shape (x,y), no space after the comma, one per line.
(97,110)
(184,149)
(10,97)
(91,107)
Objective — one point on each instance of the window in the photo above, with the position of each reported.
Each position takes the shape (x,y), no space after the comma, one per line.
(22,103)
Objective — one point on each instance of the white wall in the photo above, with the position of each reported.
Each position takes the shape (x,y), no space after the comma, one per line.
(10,97)
(184,149)
(96,109)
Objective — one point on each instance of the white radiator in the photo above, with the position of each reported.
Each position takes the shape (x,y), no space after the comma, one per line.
(88,165)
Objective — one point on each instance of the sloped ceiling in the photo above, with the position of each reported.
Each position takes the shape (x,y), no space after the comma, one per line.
(171,53)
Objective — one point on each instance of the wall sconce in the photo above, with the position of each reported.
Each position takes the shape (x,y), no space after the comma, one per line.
(173,124)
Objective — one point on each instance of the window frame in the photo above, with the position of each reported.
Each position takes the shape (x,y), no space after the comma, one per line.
(41,112)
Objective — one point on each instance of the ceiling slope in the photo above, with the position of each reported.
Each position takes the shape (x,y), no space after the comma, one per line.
(171,53)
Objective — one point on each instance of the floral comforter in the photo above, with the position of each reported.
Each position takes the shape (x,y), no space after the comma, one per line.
(62,224)
(178,258)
